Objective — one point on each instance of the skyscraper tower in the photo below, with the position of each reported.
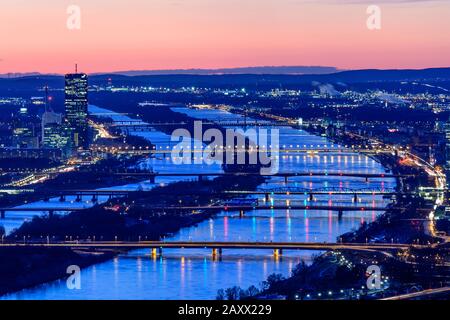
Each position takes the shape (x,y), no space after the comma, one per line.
(76,105)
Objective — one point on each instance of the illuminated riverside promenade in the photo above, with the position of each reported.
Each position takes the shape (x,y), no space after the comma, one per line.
(190,273)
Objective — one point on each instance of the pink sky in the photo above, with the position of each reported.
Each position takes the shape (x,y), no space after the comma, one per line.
(171,34)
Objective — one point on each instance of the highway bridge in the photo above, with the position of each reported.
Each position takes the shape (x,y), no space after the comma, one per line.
(282,151)
(198,209)
(200,175)
(139,125)
(216,247)
(94,194)
(246,207)
(286,175)
(267,192)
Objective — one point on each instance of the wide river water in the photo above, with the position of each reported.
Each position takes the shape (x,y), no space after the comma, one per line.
(193,274)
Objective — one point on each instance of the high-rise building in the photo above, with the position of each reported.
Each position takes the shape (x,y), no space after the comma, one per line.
(76,105)
(50,118)
(25,131)
(58,136)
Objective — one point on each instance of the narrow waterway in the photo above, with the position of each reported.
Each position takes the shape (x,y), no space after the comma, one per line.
(193,274)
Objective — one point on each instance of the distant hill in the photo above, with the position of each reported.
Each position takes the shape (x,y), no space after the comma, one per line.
(12,75)
(279,80)
(292,70)
(260,81)
(370,75)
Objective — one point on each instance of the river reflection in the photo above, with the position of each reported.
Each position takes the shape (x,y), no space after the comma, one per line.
(194,274)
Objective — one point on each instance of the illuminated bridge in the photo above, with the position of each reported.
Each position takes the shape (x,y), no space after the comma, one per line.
(247,207)
(272,191)
(94,194)
(223,207)
(152,175)
(282,150)
(138,125)
(156,247)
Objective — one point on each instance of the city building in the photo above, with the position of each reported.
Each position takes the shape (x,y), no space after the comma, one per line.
(24,138)
(25,130)
(58,136)
(49,118)
(76,107)
(447,149)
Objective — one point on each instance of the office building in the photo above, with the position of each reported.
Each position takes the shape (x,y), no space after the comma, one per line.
(76,107)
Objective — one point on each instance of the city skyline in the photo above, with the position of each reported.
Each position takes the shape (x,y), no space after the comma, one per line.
(115,36)
(243,151)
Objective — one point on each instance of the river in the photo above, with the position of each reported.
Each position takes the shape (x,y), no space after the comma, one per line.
(193,274)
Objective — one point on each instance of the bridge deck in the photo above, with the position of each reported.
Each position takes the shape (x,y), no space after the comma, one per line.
(216,245)
(216,207)
(280,174)
(271,207)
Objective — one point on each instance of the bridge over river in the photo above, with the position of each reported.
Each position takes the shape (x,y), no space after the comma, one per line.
(157,247)
(222,207)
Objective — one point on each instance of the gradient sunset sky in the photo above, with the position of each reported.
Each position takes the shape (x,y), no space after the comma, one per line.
(172,34)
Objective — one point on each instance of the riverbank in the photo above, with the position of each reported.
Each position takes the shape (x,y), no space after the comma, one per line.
(344,275)
(23,267)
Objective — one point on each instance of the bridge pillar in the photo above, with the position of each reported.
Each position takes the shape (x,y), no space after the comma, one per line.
(241,213)
(267,197)
(340,214)
(94,198)
(216,252)
(285,179)
(277,253)
(367,179)
(200,178)
(355,198)
(51,213)
(2,214)
(46,199)
(62,198)
(156,252)
(152,179)
(311,197)
(79,198)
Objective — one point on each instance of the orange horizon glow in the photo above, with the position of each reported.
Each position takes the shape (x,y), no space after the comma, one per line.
(184,34)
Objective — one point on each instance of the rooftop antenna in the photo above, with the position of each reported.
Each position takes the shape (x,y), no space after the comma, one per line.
(46,98)
(76,68)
